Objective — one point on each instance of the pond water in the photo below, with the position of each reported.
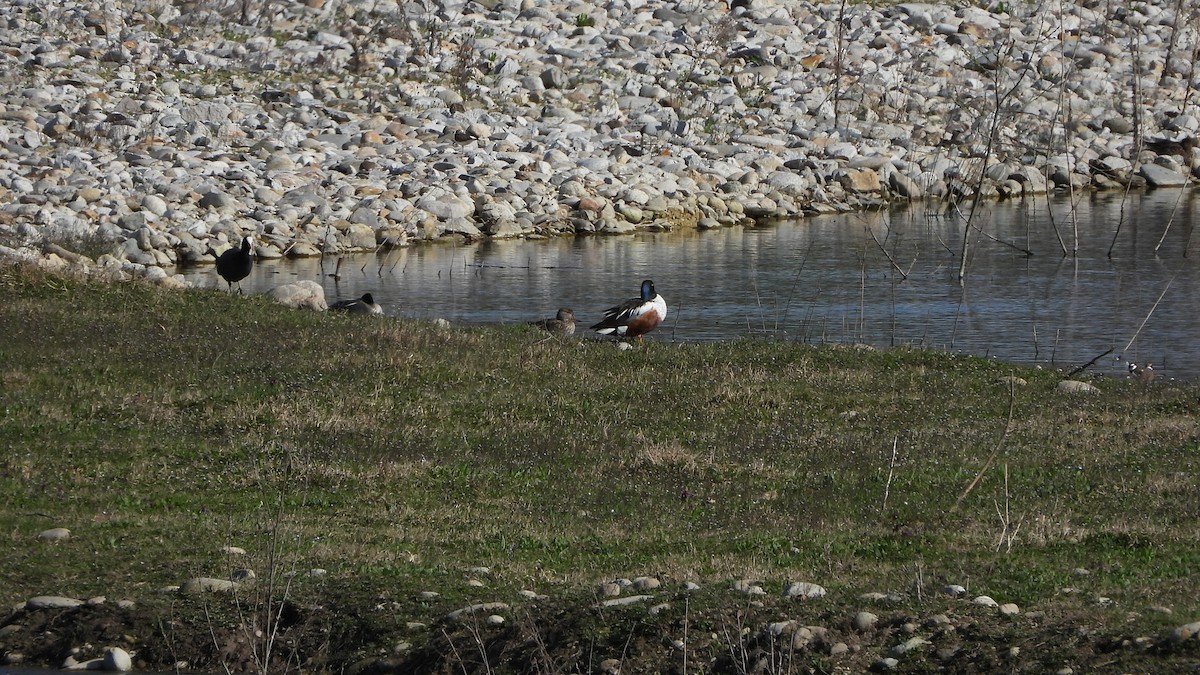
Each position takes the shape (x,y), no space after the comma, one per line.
(1045,284)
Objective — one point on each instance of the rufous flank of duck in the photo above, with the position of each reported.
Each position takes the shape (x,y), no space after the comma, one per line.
(562,324)
(1144,373)
(364,304)
(634,317)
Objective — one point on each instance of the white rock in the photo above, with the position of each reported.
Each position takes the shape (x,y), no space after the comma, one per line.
(117,659)
(646,583)
(1160,176)
(55,534)
(305,294)
(154,204)
(865,620)
(477,608)
(804,590)
(627,600)
(1076,387)
(780,627)
(199,585)
(52,602)
(445,205)
(907,646)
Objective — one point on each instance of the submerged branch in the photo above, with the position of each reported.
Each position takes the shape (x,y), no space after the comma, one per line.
(1000,241)
(888,255)
(1148,314)
(1089,364)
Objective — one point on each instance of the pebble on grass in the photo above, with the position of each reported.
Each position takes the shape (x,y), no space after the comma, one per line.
(804,590)
(55,535)
(865,621)
(206,585)
(1076,387)
(52,602)
(1009,609)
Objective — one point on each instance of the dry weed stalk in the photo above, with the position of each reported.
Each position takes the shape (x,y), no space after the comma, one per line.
(262,613)
(887,487)
(1012,397)
(739,657)
(1008,532)
(687,614)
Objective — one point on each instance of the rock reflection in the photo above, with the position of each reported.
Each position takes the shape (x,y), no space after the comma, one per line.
(879,278)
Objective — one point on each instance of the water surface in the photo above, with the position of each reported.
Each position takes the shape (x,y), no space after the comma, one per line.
(881,278)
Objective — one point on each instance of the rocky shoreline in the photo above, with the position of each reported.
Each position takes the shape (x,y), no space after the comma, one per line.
(146,134)
(874,631)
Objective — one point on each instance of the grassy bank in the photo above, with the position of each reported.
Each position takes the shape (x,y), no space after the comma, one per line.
(160,426)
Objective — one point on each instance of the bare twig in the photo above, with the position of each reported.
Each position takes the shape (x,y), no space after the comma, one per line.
(887,487)
(1012,398)
(1000,241)
(887,254)
(1006,537)
(792,291)
(686,616)
(838,62)
(1148,314)
(1089,364)
(1178,198)
(1000,96)
(461,664)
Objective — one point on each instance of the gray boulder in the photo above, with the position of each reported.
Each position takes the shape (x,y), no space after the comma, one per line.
(300,295)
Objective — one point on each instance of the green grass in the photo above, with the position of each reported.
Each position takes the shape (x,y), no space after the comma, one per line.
(159,426)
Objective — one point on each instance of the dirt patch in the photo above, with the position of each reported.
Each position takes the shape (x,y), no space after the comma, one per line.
(366,636)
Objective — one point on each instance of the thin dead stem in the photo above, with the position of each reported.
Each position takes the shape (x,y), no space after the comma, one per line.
(453,648)
(1170,221)
(1012,398)
(887,254)
(1148,314)
(1089,364)
(212,631)
(1008,533)
(476,635)
(887,488)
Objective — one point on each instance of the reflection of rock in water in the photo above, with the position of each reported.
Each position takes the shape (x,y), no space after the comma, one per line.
(826,280)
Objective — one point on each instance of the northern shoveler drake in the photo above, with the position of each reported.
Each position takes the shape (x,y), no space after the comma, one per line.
(1144,373)
(235,263)
(362,305)
(563,322)
(635,317)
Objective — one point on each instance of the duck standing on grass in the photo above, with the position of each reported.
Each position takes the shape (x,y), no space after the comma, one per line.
(563,323)
(635,317)
(361,305)
(235,263)
(1143,373)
